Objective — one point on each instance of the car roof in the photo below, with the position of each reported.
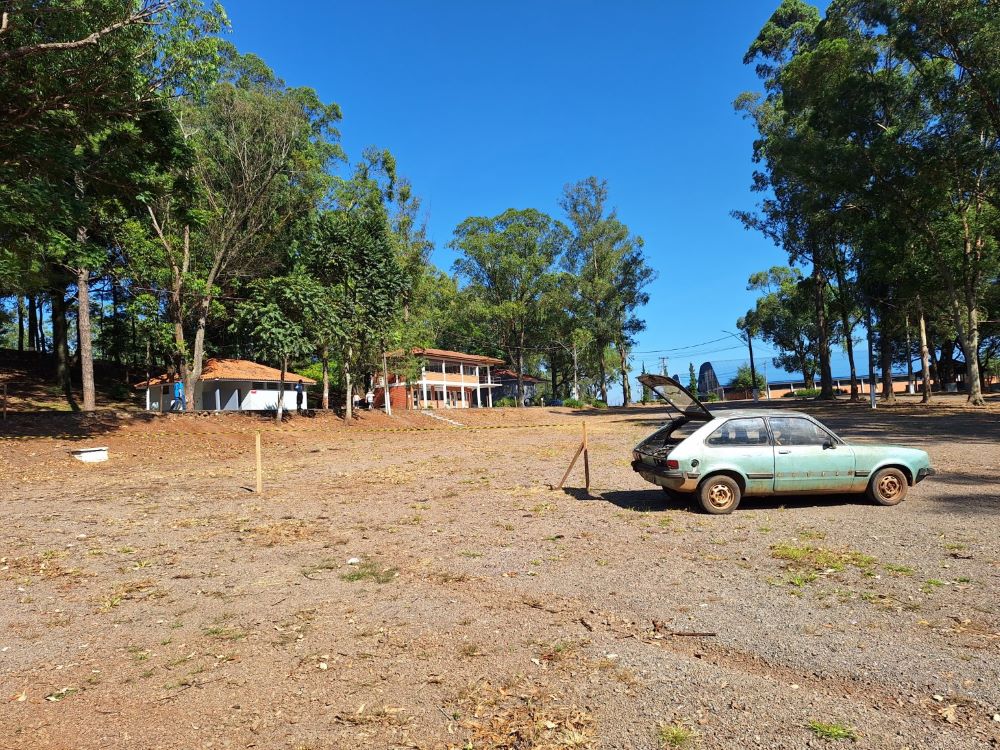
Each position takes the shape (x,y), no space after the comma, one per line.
(738,413)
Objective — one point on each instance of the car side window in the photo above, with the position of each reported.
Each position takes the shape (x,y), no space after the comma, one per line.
(797,431)
(739,432)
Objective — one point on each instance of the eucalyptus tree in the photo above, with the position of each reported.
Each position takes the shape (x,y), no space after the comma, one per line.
(258,158)
(81,83)
(507,264)
(881,114)
(280,317)
(611,272)
(354,254)
(785,317)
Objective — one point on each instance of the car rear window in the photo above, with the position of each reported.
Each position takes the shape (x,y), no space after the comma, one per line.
(741,432)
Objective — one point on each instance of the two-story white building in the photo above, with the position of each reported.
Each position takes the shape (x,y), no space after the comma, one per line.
(454,380)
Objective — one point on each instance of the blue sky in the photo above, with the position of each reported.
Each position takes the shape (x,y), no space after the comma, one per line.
(489,106)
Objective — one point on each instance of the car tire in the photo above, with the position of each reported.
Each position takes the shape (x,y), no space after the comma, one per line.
(719,494)
(887,487)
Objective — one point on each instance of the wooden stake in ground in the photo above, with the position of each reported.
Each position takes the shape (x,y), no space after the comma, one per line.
(585,450)
(260,479)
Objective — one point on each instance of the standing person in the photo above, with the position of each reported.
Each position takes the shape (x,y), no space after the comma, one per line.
(299,395)
(355,400)
(178,404)
(370,399)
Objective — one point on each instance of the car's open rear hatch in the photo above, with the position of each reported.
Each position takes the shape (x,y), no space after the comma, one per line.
(679,397)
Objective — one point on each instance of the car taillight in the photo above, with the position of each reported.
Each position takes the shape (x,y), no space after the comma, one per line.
(672,464)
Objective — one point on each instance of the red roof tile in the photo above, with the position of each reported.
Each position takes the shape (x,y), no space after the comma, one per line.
(473,359)
(505,374)
(233,369)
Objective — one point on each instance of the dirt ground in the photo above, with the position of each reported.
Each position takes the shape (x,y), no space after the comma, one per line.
(156,601)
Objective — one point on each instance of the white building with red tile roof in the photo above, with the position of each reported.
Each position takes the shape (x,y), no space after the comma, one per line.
(230,385)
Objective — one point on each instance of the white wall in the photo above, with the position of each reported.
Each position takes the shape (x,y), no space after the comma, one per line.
(251,399)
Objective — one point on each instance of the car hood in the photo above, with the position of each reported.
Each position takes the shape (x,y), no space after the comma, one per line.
(679,397)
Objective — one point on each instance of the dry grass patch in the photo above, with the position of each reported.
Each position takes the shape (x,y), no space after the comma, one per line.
(369,570)
(287,531)
(128,591)
(524,716)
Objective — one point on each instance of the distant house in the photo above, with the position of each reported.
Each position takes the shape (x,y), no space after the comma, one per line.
(229,385)
(447,380)
(508,384)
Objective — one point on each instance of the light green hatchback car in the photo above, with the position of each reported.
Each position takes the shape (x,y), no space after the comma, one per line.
(723,457)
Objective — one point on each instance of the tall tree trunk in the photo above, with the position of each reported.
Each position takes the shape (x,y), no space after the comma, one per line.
(86,352)
(626,385)
(925,368)
(20,323)
(603,383)
(885,354)
(348,401)
(845,321)
(909,357)
(325,359)
(281,390)
(60,344)
(198,354)
(520,372)
(32,324)
(819,294)
(40,333)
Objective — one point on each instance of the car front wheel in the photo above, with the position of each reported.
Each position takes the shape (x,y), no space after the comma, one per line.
(888,487)
(719,494)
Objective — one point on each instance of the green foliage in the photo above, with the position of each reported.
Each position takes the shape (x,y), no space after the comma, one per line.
(832,731)
(744,380)
(609,273)
(877,130)
(506,263)
(505,401)
(692,378)
(573,403)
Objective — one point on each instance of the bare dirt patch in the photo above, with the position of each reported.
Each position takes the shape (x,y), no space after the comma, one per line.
(153,601)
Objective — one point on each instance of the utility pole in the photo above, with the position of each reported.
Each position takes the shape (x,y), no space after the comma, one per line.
(663,365)
(753,370)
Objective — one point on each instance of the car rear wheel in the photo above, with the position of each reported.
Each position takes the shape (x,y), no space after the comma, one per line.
(887,487)
(719,494)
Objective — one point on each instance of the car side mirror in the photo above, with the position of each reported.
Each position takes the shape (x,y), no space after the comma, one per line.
(829,445)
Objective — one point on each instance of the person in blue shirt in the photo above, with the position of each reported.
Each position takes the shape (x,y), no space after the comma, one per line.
(299,395)
(178,404)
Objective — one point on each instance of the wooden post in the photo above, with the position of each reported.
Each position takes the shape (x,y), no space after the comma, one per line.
(585,450)
(260,480)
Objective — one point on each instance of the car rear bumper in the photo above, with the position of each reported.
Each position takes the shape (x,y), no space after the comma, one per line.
(672,478)
(922,474)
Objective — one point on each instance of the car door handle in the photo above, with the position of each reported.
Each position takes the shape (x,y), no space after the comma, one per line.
(784,451)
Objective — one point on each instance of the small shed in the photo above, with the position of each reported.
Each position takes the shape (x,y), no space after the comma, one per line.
(229,385)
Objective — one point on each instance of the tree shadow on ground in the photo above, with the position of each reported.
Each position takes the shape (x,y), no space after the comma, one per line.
(856,421)
(69,425)
(79,426)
